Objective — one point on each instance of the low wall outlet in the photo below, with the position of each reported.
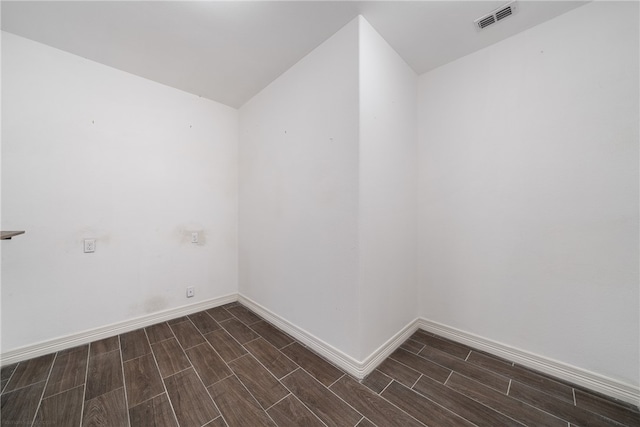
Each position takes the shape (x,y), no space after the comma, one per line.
(194,237)
(89,245)
(190,292)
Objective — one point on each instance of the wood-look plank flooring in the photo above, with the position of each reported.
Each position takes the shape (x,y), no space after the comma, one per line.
(226,366)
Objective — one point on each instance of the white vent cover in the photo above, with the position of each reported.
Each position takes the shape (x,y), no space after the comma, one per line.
(497,15)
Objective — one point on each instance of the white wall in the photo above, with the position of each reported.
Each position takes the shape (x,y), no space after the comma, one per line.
(92,152)
(387,189)
(299,193)
(327,193)
(529,191)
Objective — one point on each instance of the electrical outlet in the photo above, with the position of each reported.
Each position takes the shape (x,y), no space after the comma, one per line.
(89,245)
(194,237)
(190,292)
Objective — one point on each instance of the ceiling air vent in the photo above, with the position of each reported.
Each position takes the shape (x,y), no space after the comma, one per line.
(495,16)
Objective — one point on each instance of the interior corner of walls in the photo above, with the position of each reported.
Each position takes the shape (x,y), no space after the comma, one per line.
(359,367)
(332,353)
(298,190)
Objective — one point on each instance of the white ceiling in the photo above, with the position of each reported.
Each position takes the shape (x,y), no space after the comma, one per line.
(228,51)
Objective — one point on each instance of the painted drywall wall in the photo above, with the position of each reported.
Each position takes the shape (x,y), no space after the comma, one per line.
(327,193)
(387,190)
(528,191)
(92,152)
(298,200)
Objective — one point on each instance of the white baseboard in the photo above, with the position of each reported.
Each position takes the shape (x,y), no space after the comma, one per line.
(360,369)
(377,357)
(581,377)
(85,337)
(356,368)
(329,352)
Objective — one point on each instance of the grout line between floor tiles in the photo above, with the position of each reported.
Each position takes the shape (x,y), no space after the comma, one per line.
(147,400)
(164,387)
(23,387)
(291,343)
(35,416)
(509,386)
(178,372)
(189,348)
(497,410)
(233,360)
(372,423)
(299,367)
(194,323)
(215,405)
(403,364)
(268,371)
(573,392)
(206,341)
(331,391)
(280,352)
(296,397)
(254,398)
(60,392)
(421,375)
(234,338)
(124,380)
(469,364)
(385,387)
(86,377)
(260,363)
(288,394)
(219,416)
(207,313)
(396,406)
(255,339)
(540,408)
(10,376)
(467,358)
(161,341)
(442,406)
(339,378)
(445,381)
(241,345)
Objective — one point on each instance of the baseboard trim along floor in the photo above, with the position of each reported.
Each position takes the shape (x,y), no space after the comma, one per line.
(356,368)
(85,337)
(581,377)
(360,369)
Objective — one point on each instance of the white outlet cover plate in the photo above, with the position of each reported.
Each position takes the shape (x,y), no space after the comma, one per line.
(89,245)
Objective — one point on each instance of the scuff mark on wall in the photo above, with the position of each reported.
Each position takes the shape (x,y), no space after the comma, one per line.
(152,304)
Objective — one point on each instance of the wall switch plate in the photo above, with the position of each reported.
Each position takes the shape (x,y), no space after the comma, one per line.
(190,292)
(194,237)
(89,245)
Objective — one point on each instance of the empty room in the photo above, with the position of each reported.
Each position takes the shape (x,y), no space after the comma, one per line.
(320,213)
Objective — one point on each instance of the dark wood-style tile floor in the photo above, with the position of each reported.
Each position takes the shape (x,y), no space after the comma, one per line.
(228,367)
